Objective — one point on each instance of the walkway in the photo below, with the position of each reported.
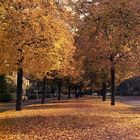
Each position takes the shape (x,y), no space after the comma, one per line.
(130,100)
(11,106)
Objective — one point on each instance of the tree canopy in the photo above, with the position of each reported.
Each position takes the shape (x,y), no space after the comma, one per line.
(109,30)
(37,32)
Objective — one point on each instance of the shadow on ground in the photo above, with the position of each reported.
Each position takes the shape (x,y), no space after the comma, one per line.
(24,125)
(11,106)
(58,106)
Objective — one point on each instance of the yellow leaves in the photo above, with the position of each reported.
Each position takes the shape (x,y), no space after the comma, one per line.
(73,120)
(126,49)
(2,35)
(108,29)
(38,29)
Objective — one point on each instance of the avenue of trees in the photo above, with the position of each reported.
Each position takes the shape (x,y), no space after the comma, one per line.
(84,42)
(108,39)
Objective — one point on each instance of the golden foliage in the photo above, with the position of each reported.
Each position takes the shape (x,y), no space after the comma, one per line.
(39,30)
(88,119)
(109,29)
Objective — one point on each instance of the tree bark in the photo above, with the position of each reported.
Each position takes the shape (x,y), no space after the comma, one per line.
(69,92)
(76,88)
(59,90)
(43,90)
(19,89)
(52,91)
(112,82)
(104,91)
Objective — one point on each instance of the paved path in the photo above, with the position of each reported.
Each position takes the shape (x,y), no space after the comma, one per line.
(11,106)
(130,100)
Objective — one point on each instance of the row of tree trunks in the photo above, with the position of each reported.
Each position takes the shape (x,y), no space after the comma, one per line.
(112,84)
(59,90)
(19,89)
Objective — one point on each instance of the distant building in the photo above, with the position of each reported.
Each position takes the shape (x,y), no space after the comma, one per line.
(130,87)
(26,82)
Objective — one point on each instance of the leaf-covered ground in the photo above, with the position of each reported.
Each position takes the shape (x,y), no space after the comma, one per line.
(90,119)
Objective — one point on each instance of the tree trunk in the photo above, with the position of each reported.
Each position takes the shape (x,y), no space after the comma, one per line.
(104,91)
(69,92)
(76,91)
(43,91)
(52,91)
(19,89)
(112,82)
(59,90)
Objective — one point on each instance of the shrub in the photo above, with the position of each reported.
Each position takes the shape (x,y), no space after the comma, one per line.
(5,97)
(3,84)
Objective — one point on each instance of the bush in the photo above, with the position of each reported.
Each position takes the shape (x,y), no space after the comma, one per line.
(3,84)
(14,95)
(5,97)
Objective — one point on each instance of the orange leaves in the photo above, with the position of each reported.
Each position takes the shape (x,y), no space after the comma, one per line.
(108,28)
(86,119)
(37,28)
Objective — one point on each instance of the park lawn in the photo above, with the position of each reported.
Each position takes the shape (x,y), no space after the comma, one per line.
(90,119)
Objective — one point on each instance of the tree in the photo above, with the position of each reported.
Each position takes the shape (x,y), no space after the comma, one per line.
(35,34)
(109,30)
